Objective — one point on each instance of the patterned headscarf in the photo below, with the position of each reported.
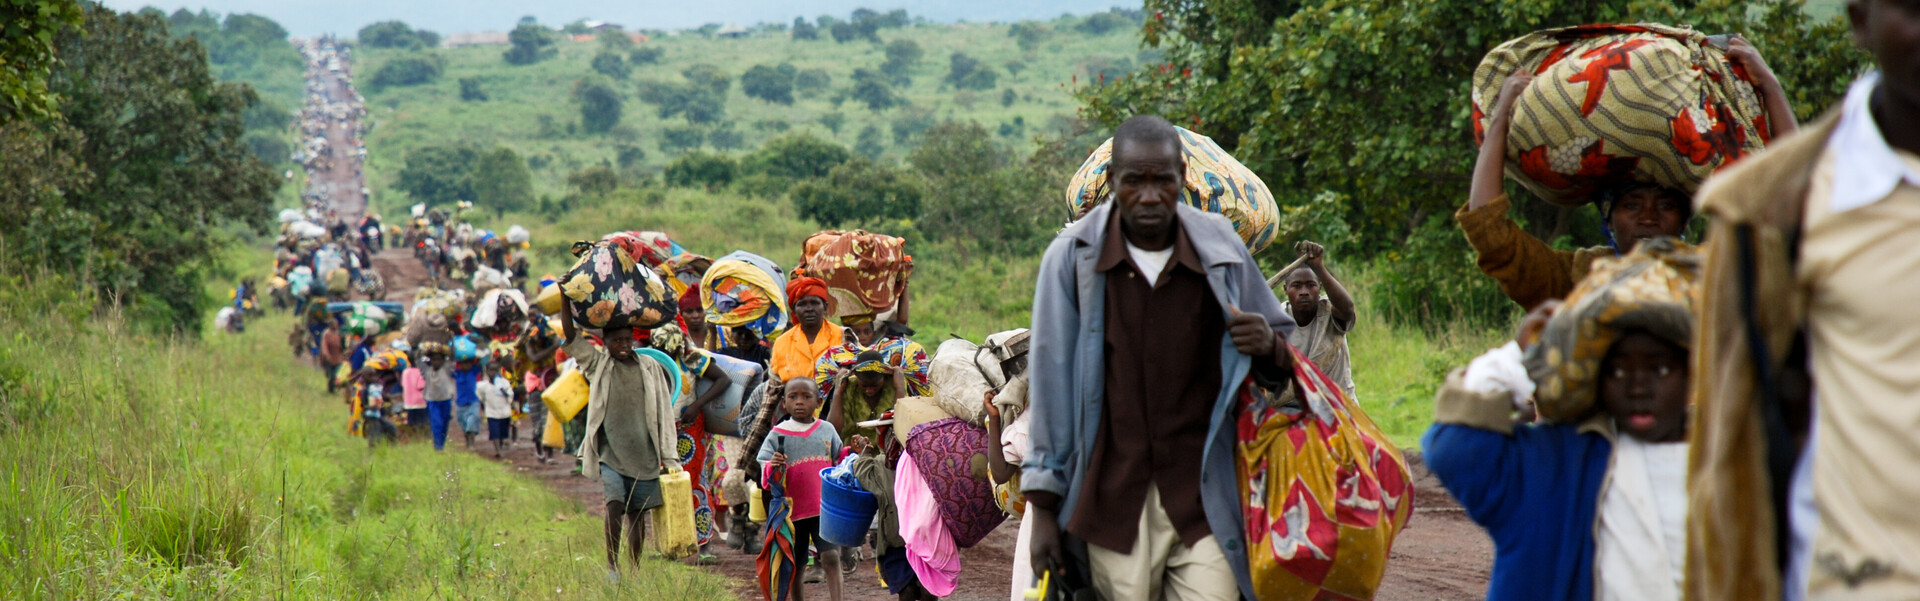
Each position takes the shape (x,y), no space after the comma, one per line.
(1650,289)
(670,339)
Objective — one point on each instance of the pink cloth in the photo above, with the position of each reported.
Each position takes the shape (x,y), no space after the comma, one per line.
(930,548)
(413,389)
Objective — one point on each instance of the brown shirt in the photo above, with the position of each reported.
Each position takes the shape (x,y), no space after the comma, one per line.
(1162,376)
(331,352)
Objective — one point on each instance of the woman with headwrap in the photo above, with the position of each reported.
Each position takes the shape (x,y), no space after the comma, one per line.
(699,334)
(795,351)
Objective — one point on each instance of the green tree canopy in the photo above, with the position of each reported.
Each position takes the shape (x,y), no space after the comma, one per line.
(701,169)
(797,156)
(502,182)
(698,103)
(389,34)
(600,105)
(857,191)
(974,191)
(871,88)
(901,55)
(768,83)
(614,40)
(608,63)
(968,73)
(645,55)
(531,44)
(710,77)
(410,70)
(157,164)
(26,43)
(470,90)
(803,30)
(438,175)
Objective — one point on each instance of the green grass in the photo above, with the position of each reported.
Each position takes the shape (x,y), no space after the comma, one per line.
(1397,369)
(409,117)
(140,468)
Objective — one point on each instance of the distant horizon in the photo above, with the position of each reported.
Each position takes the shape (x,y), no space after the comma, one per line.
(344,18)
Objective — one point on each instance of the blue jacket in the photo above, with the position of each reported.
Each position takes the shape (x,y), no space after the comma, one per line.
(1535,489)
(1068,366)
(466,389)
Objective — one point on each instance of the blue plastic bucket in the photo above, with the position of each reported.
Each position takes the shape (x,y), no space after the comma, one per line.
(845,513)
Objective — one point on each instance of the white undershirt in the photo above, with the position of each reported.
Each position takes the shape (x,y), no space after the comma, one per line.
(1150,262)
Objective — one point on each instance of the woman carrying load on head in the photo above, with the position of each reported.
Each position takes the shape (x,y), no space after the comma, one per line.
(863,376)
(1529,271)
(795,351)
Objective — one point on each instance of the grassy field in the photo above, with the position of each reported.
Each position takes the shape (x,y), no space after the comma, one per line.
(220,470)
(405,118)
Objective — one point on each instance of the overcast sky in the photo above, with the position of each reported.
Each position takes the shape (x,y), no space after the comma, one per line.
(307,18)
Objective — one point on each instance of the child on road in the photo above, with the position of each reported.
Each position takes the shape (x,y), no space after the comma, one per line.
(466,398)
(1591,504)
(793,454)
(496,396)
(436,366)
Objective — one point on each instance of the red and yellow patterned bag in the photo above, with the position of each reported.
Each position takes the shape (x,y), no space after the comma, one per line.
(1616,103)
(1323,491)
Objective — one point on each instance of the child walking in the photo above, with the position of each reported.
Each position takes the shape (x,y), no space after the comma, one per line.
(793,454)
(466,398)
(436,366)
(496,398)
(1592,503)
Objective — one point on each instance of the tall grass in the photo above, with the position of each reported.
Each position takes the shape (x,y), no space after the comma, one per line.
(140,468)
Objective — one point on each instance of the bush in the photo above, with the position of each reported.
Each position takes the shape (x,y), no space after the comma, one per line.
(797,156)
(680,138)
(406,71)
(645,55)
(1008,97)
(1028,34)
(725,137)
(769,84)
(394,34)
(968,73)
(834,121)
(701,169)
(1103,23)
(628,155)
(858,191)
(502,182)
(1433,280)
(870,88)
(709,77)
(972,193)
(438,174)
(470,90)
(609,64)
(901,55)
(870,143)
(614,40)
(699,104)
(810,82)
(911,124)
(597,180)
(600,105)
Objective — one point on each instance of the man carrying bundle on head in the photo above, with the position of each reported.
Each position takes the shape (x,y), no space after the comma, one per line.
(1324,312)
(1608,173)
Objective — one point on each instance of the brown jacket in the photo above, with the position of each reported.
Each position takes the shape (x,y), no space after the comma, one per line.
(1754,210)
(1529,271)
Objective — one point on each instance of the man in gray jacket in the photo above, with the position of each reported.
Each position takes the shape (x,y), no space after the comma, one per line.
(1147,318)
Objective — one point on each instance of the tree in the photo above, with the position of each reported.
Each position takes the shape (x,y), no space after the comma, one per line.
(856,191)
(709,77)
(725,137)
(701,169)
(470,90)
(597,180)
(502,182)
(427,39)
(600,105)
(802,30)
(1008,97)
(968,73)
(901,55)
(151,167)
(389,34)
(973,192)
(645,55)
(614,40)
(911,123)
(531,44)
(628,155)
(438,175)
(834,121)
(796,156)
(406,71)
(810,82)
(1028,34)
(681,138)
(26,42)
(1102,23)
(768,83)
(871,88)
(609,64)
(870,143)
(699,104)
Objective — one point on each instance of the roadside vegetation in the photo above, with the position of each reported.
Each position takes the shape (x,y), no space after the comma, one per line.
(155,467)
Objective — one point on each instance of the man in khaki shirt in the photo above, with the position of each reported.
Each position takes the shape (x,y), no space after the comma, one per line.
(1815,264)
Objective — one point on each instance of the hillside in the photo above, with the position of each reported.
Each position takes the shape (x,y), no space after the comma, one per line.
(529,107)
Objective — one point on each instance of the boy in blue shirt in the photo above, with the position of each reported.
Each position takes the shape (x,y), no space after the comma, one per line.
(466,398)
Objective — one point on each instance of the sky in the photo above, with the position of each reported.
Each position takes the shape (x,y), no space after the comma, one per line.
(307,18)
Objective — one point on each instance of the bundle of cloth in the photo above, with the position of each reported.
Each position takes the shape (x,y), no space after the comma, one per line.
(651,248)
(866,273)
(1216,183)
(745,290)
(606,288)
(1611,103)
(684,271)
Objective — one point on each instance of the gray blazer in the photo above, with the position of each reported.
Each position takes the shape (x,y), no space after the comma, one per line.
(1067,366)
